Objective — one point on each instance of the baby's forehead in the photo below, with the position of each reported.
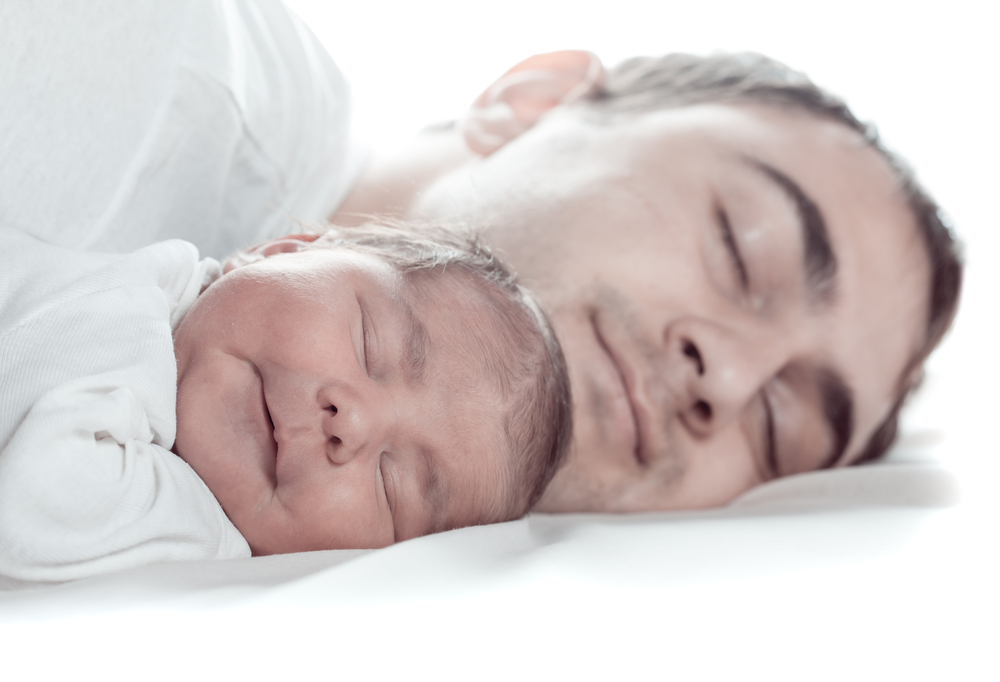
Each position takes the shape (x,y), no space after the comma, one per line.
(490,346)
(402,276)
(464,365)
(490,318)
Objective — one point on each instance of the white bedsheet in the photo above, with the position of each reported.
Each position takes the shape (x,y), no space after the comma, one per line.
(830,575)
(886,571)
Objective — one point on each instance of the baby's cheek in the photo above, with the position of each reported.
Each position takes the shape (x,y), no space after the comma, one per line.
(222,431)
(322,512)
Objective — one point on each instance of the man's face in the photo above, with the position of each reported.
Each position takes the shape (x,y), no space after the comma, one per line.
(737,290)
(325,406)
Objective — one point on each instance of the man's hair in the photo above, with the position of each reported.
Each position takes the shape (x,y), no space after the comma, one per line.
(532,379)
(645,84)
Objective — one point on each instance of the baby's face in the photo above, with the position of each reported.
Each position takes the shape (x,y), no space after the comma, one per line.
(327,405)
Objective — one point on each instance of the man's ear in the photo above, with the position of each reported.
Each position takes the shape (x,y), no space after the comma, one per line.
(286,244)
(516,101)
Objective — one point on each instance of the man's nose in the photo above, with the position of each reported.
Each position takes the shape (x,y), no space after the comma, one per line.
(716,369)
(354,422)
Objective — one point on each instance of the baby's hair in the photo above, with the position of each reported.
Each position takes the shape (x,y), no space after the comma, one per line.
(538,422)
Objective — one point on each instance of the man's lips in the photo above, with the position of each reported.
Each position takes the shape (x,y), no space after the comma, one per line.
(634,437)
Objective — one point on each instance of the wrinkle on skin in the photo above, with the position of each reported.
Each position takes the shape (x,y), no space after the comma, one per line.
(670,463)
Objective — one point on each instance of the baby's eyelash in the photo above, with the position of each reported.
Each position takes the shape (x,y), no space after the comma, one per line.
(388,497)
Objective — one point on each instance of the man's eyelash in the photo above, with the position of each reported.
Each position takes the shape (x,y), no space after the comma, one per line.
(364,335)
(366,338)
(730,240)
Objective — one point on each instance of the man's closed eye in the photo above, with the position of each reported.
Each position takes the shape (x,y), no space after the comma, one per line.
(728,238)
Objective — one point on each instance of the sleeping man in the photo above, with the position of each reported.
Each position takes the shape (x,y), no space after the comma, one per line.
(744,280)
(340,391)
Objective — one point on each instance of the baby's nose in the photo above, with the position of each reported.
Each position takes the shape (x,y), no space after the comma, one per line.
(353,425)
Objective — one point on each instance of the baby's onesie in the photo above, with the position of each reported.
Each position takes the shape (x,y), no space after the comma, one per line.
(87,413)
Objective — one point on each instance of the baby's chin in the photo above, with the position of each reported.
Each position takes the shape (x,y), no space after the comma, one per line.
(274,529)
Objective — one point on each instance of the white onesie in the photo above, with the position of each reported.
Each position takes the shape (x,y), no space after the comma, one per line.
(88,413)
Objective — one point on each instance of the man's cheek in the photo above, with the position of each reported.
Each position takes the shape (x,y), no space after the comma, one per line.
(715,471)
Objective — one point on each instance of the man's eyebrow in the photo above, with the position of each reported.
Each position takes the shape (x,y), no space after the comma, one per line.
(819,259)
(838,412)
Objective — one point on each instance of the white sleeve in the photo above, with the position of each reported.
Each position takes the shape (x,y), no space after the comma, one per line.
(87,480)
(126,122)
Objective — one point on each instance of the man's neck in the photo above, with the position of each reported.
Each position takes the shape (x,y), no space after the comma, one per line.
(392,183)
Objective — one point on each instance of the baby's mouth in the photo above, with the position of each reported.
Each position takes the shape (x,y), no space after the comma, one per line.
(270,421)
(272,463)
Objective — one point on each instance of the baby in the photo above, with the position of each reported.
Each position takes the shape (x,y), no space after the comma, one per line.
(343,390)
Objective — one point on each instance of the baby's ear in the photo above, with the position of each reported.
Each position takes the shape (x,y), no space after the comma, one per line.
(287,244)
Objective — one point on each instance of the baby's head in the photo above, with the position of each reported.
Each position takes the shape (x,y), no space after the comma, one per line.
(369,385)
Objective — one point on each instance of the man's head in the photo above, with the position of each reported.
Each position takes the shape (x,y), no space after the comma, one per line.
(744,281)
(368,385)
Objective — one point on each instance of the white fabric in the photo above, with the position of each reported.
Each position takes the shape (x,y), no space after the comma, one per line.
(126,122)
(850,593)
(87,480)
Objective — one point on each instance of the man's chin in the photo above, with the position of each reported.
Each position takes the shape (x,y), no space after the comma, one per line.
(575,489)
(603,489)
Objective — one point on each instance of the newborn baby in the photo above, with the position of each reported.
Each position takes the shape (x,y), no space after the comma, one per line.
(347,390)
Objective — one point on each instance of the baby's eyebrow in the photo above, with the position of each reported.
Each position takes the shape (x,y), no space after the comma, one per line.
(415,346)
(432,488)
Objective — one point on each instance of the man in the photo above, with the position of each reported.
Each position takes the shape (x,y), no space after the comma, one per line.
(744,281)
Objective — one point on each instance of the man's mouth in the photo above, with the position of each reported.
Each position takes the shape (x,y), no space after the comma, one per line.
(626,392)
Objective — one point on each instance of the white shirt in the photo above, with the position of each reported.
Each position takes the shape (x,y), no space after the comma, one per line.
(88,413)
(126,122)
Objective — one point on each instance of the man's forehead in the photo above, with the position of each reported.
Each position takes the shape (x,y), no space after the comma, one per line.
(735,122)
(880,325)
(878,321)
